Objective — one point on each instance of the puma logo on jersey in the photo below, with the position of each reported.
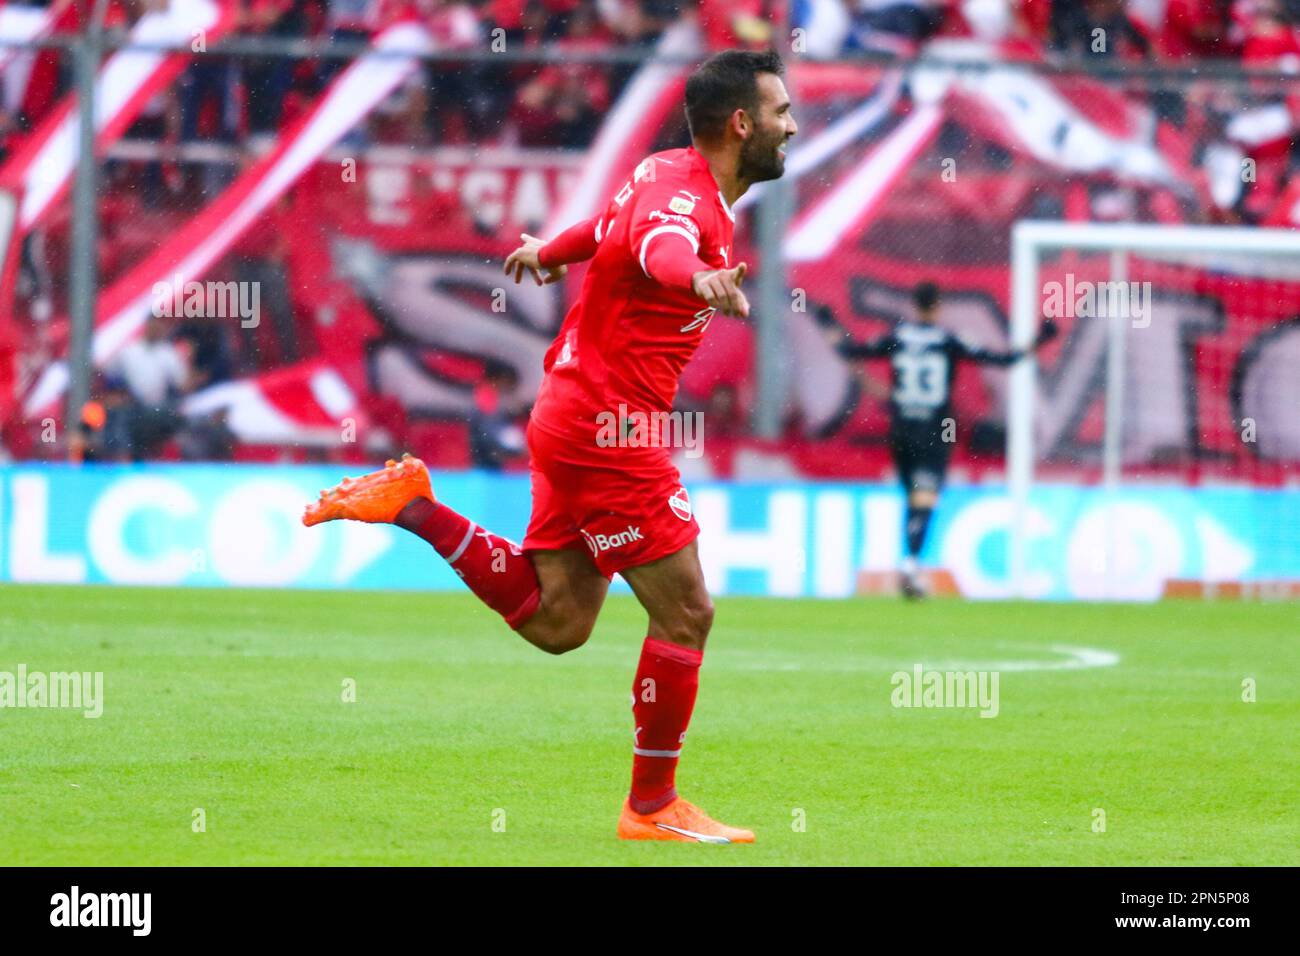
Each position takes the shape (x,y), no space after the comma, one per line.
(722,251)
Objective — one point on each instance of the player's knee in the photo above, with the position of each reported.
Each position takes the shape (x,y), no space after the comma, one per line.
(562,626)
(704,620)
(567,638)
(691,623)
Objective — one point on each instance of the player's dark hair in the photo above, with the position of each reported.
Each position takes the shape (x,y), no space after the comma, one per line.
(724,83)
(925,296)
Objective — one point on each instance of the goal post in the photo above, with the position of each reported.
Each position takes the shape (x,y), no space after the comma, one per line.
(1264,263)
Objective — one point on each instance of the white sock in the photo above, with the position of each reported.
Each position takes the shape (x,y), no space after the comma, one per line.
(909,565)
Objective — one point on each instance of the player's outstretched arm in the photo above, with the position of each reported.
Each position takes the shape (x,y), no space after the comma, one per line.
(853,351)
(675,264)
(1046,333)
(857,351)
(549,261)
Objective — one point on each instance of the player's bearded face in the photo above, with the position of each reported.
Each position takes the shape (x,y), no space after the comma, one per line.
(762,157)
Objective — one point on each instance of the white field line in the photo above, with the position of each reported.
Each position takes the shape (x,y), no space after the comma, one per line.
(1069,658)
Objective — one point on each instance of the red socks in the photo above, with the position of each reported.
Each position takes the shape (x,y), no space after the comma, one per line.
(495,569)
(503,577)
(663,697)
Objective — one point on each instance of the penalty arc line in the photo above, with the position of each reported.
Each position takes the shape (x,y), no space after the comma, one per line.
(1072,658)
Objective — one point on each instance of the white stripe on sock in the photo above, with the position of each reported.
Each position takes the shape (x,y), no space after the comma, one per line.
(469,536)
(642,752)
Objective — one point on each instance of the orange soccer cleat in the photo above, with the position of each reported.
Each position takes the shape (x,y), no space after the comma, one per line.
(375,498)
(678,821)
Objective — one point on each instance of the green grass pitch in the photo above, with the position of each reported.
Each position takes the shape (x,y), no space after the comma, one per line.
(466,746)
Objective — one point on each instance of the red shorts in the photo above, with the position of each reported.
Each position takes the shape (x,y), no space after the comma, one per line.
(625,507)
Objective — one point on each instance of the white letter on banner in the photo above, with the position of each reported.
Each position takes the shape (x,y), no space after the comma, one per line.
(257,538)
(882,531)
(115,507)
(967,532)
(777,550)
(1144,545)
(833,543)
(28,558)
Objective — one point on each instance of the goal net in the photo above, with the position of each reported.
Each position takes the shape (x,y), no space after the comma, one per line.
(1154,447)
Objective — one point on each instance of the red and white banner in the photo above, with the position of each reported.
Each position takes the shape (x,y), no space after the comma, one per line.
(845,209)
(39,171)
(21,25)
(306,403)
(427,292)
(125,306)
(405,261)
(630,128)
(1079,125)
(1090,130)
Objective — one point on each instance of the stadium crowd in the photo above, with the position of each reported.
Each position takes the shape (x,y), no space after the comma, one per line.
(228,98)
(231,102)
(1255,32)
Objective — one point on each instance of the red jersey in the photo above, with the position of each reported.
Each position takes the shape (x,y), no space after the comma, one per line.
(628,336)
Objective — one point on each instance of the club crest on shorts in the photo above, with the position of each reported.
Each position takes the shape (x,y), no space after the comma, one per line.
(680,502)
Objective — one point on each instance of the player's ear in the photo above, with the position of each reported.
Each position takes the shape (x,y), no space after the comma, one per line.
(741,124)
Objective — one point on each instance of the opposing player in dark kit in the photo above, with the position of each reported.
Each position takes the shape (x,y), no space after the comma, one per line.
(923,361)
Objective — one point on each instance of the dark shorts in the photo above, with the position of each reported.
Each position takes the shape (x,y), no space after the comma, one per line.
(921,456)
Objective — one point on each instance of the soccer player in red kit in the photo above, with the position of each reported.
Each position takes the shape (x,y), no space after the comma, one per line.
(662,266)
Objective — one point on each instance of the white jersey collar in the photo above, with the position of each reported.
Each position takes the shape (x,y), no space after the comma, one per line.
(727,209)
